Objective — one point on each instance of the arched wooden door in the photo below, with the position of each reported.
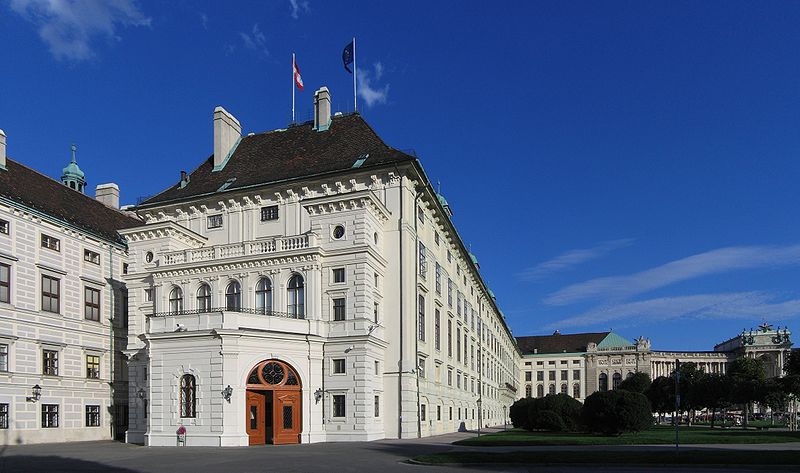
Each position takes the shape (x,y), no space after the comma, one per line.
(274,404)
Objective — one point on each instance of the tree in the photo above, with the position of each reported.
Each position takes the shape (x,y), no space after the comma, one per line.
(566,408)
(638,383)
(775,396)
(689,376)
(518,412)
(793,363)
(661,394)
(615,412)
(712,391)
(747,375)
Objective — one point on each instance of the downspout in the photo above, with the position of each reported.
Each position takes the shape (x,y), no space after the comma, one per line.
(480,362)
(416,310)
(310,417)
(111,346)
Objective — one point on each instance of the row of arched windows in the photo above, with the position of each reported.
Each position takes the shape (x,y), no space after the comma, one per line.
(616,379)
(576,390)
(295,297)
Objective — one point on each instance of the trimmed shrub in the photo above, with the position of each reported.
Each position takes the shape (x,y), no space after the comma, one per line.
(615,412)
(518,413)
(550,420)
(567,409)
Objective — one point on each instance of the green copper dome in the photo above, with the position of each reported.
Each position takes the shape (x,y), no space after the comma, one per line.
(72,175)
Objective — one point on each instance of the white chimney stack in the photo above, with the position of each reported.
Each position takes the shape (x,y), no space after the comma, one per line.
(2,149)
(227,133)
(322,109)
(107,194)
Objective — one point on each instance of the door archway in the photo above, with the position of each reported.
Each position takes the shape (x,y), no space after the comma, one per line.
(273,404)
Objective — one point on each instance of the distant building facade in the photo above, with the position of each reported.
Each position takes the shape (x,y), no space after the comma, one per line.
(584,363)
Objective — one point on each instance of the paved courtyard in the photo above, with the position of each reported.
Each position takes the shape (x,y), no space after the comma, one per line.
(381,456)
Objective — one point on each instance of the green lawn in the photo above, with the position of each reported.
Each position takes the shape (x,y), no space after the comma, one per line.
(693,457)
(656,436)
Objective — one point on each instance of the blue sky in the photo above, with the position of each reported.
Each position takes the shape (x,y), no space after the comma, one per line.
(625,165)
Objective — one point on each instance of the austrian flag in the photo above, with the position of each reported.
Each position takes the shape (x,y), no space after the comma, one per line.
(298,81)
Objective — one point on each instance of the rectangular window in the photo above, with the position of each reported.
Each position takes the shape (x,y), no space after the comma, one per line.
(438,279)
(92,416)
(540,376)
(338,405)
(215,221)
(449,257)
(338,366)
(458,344)
(3,416)
(49,415)
(269,213)
(458,380)
(4,226)
(50,362)
(449,338)
(421,215)
(576,374)
(5,283)
(377,406)
(438,412)
(528,376)
(563,375)
(423,412)
(450,293)
(421,367)
(437,329)
(148,295)
(377,368)
(423,264)
(93,366)
(91,257)
(51,243)
(552,376)
(436,238)
(91,304)
(124,268)
(338,275)
(50,294)
(3,357)
(451,412)
(375,312)
(449,377)
(338,309)
(421,318)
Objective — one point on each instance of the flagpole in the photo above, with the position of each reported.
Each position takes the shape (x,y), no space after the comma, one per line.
(292,87)
(355,100)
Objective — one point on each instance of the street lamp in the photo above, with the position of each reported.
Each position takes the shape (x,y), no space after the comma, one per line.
(504,417)
(141,393)
(479,416)
(36,392)
(227,393)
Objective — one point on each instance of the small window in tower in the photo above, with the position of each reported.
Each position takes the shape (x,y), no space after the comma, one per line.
(215,221)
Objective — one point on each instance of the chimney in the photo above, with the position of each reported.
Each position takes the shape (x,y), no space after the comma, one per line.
(184,179)
(2,149)
(107,194)
(322,109)
(227,133)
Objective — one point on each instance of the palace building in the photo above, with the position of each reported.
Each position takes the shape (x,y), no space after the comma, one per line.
(62,317)
(308,284)
(583,363)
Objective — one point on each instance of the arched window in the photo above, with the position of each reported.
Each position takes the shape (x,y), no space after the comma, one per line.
(528,391)
(188,396)
(564,388)
(576,390)
(296,296)
(233,296)
(603,382)
(551,389)
(204,298)
(616,379)
(264,296)
(629,375)
(540,390)
(175,300)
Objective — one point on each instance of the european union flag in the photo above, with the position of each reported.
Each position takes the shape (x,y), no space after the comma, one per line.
(347,56)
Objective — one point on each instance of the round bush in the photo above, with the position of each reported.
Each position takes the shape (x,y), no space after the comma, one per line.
(615,412)
(550,420)
(518,413)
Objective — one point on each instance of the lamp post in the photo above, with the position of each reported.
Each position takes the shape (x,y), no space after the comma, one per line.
(227,393)
(36,393)
(504,417)
(479,416)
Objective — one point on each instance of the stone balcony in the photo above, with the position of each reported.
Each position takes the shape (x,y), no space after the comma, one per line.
(237,250)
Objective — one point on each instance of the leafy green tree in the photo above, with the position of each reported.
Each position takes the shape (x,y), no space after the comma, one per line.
(775,396)
(712,391)
(661,394)
(792,367)
(564,406)
(617,411)
(689,377)
(518,413)
(747,375)
(638,383)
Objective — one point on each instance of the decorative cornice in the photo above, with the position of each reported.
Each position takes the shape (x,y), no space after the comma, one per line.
(307,262)
(165,229)
(345,202)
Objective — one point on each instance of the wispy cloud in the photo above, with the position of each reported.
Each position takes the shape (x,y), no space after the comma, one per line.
(298,7)
(68,27)
(572,258)
(204,20)
(722,306)
(703,264)
(372,94)
(255,40)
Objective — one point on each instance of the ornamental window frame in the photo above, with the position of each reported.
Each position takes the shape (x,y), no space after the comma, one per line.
(188,396)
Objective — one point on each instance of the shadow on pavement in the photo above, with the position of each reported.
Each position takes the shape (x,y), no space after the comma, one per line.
(21,463)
